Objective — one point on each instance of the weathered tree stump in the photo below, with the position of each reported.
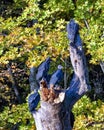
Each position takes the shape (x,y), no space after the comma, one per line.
(56,104)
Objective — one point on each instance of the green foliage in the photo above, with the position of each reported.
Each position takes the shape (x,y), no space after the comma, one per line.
(22,40)
(89,114)
(90,15)
(28,43)
(17,114)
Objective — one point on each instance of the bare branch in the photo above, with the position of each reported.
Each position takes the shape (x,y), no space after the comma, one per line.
(14,83)
(80,82)
(32,79)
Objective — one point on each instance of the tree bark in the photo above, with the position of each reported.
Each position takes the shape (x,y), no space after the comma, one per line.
(55,104)
(14,84)
(32,79)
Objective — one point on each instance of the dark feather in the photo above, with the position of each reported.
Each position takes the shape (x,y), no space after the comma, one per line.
(43,70)
(72,29)
(33,101)
(56,77)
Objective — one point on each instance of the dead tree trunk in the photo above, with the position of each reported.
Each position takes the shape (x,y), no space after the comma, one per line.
(56,104)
